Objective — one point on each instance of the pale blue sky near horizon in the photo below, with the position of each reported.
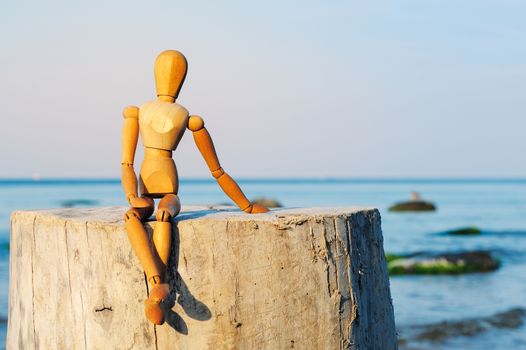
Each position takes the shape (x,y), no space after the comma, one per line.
(287,89)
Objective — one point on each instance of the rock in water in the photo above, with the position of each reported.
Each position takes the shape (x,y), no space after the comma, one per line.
(267,202)
(413,206)
(70,203)
(465,231)
(302,278)
(445,263)
(438,332)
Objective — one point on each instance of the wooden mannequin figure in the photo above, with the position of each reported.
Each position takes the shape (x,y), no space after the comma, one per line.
(162,124)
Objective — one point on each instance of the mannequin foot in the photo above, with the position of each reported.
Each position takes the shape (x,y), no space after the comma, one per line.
(154,312)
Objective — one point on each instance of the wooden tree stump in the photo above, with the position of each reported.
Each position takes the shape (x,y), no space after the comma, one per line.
(306,278)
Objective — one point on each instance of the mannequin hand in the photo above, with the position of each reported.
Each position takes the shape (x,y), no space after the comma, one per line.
(257,208)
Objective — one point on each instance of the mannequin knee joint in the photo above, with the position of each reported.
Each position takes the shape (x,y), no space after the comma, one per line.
(132,213)
(163,215)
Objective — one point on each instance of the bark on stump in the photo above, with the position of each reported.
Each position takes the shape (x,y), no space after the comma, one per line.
(302,278)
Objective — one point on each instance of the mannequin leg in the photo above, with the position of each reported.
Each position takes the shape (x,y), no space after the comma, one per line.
(169,207)
(139,241)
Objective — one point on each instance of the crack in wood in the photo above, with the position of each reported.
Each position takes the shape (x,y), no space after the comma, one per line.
(33,252)
(104,308)
(67,264)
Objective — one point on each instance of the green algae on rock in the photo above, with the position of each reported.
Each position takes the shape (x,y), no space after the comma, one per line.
(465,231)
(390,257)
(441,264)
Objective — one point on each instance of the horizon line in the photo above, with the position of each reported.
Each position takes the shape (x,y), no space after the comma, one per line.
(44,180)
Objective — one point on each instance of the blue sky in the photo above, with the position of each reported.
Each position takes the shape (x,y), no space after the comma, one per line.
(296,88)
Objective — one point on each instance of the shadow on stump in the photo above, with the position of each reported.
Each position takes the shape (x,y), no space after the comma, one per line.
(180,293)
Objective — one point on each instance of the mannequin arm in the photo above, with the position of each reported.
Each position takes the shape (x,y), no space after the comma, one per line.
(228,185)
(130,135)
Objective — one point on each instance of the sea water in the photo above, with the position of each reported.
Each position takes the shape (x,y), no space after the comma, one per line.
(498,207)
